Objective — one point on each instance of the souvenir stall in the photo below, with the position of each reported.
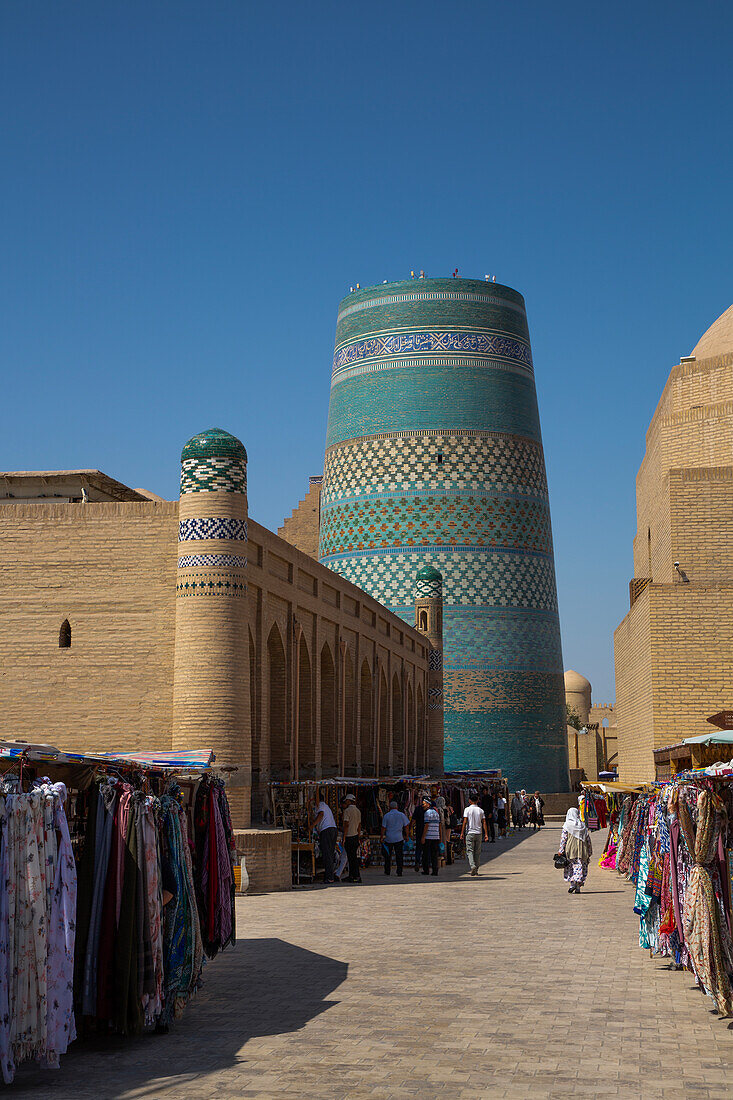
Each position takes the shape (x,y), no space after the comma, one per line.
(673,843)
(119,882)
(293,804)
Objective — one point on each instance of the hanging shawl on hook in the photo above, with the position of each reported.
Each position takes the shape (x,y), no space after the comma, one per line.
(707,937)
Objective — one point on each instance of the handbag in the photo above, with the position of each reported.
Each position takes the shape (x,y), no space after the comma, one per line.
(561,861)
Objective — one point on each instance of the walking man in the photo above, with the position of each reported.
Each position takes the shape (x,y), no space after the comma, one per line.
(474,825)
(432,837)
(394,832)
(352,833)
(325,826)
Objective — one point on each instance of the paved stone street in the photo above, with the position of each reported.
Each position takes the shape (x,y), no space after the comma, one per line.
(499,987)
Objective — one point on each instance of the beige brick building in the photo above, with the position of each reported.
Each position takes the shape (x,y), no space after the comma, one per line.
(674,649)
(593,748)
(129,622)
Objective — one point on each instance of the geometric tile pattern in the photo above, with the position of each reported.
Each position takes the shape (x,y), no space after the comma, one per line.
(464,519)
(400,463)
(205,475)
(431,589)
(434,458)
(212,528)
(435,660)
(482,578)
(386,347)
(211,561)
(210,584)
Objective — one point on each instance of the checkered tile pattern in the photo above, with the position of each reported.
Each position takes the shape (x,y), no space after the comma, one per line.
(208,528)
(217,473)
(398,463)
(475,578)
(428,590)
(212,561)
(466,519)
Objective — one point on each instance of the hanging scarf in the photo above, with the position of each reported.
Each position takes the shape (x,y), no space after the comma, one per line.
(707,941)
(61,1029)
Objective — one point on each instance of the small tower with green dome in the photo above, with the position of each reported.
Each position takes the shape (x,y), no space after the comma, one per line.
(429,621)
(211,665)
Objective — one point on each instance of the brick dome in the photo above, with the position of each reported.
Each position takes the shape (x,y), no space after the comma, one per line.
(574,682)
(718,340)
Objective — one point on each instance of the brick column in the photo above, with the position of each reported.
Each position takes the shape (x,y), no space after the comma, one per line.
(211,666)
(429,620)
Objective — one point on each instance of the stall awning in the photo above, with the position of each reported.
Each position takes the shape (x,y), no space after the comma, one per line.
(722,737)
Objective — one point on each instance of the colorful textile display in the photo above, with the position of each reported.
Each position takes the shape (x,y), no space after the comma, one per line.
(670,842)
(37,926)
(214,866)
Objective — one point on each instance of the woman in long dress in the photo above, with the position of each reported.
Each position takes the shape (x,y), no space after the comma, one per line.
(575,845)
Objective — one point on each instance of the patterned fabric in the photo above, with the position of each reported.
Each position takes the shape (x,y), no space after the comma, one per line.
(577,870)
(37,927)
(707,937)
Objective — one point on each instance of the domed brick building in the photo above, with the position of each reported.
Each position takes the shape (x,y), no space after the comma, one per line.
(674,648)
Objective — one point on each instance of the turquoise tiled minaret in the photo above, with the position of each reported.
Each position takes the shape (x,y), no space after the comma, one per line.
(434,456)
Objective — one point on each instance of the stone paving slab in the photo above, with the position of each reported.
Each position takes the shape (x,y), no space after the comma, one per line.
(501,986)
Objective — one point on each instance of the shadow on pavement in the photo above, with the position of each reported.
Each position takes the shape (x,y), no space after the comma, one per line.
(262,987)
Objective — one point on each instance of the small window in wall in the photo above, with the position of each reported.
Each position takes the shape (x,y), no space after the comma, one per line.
(440,458)
(423,621)
(65,635)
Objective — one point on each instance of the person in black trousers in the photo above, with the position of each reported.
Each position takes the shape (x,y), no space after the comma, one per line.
(325,825)
(432,836)
(487,805)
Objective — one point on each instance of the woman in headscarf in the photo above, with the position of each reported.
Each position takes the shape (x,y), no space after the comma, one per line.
(575,844)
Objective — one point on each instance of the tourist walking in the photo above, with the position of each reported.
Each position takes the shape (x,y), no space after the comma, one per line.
(575,845)
(539,804)
(418,821)
(432,837)
(472,830)
(325,826)
(352,835)
(394,832)
(501,814)
(517,811)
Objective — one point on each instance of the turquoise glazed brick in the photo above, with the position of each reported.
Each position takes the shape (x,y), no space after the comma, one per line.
(434,458)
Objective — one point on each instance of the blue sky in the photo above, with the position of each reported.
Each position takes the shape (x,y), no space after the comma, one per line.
(188,189)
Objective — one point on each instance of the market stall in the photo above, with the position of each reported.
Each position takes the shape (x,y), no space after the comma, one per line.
(119,882)
(293,804)
(672,841)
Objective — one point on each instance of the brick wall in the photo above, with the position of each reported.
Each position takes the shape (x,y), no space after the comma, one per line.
(267,856)
(110,569)
(301,528)
(634,695)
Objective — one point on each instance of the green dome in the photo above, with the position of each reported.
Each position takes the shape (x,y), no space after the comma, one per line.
(428,573)
(216,443)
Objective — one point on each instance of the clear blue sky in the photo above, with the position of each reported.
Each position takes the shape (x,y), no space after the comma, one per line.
(188,189)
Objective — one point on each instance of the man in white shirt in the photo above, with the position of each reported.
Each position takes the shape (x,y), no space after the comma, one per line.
(325,825)
(474,824)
